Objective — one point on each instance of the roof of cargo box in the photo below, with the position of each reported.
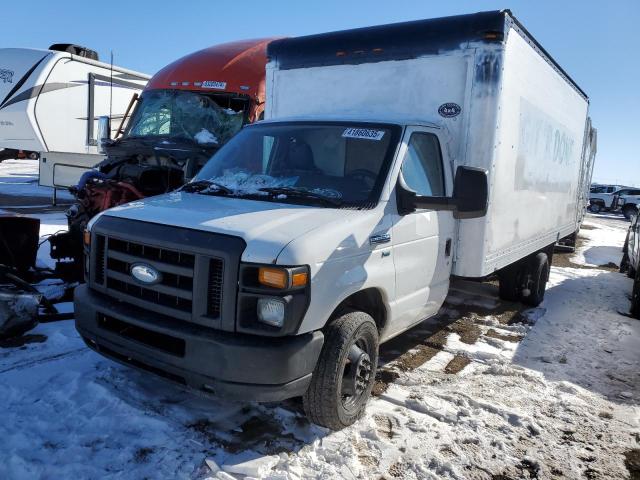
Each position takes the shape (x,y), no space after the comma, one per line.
(237,67)
(400,41)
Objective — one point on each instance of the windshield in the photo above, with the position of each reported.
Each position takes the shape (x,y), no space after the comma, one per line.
(300,162)
(181,113)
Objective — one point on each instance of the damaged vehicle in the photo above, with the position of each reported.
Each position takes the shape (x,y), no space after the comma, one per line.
(337,223)
(22,305)
(187,111)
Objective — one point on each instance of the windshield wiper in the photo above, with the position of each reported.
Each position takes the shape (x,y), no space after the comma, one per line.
(302,193)
(206,187)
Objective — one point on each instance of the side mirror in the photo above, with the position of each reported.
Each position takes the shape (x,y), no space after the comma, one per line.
(104,132)
(470,195)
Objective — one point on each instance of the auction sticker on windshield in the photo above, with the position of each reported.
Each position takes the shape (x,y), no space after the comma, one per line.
(363,133)
(214,84)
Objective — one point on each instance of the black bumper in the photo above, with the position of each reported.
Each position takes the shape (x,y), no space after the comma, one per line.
(243,367)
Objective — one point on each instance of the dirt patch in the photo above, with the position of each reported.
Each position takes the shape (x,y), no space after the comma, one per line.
(412,360)
(500,336)
(588,227)
(397,470)
(457,364)
(384,377)
(384,426)
(22,340)
(632,462)
(610,266)
(469,332)
(364,455)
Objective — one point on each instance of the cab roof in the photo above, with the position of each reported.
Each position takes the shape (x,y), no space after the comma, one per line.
(235,67)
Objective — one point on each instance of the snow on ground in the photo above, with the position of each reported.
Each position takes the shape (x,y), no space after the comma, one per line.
(20,178)
(486,390)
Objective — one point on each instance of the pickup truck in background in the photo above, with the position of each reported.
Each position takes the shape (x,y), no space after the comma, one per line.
(392,158)
(601,197)
(628,201)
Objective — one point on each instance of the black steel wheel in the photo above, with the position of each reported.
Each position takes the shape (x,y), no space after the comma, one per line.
(344,375)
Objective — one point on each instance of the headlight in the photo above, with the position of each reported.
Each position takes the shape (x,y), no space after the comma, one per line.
(271,311)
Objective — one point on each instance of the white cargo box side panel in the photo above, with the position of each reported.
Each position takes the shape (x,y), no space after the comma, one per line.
(18,127)
(403,90)
(535,171)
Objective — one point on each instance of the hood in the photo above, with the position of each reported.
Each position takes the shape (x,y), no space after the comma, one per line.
(266,227)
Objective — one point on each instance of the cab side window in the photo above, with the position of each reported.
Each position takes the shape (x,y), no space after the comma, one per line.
(422,167)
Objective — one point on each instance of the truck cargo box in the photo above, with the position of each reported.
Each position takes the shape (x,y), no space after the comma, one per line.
(506,106)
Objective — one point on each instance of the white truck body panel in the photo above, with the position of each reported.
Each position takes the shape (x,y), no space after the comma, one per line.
(51,104)
(520,120)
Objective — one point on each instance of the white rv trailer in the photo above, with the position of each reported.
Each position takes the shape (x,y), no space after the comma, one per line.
(50,102)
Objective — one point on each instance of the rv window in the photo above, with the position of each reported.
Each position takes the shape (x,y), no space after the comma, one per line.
(422,166)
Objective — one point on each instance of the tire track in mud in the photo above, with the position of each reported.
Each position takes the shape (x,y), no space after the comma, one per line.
(465,314)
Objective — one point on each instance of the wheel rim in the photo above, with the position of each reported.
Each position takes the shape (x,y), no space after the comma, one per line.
(357,375)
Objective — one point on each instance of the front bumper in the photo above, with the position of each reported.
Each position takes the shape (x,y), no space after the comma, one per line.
(230,365)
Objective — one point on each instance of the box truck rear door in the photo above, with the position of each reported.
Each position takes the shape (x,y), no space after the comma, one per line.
(423,240)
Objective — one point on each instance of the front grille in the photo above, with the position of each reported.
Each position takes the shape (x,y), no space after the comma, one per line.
(100,242)
(198,269)
(166,343)
(214,290)
(174,294)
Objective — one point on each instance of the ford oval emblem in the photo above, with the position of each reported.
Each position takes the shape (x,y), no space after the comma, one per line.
(145,274)
(449,110)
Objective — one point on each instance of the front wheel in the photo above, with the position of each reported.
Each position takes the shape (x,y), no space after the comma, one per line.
(343,378)
(595,208)
(629,211)
(635,297)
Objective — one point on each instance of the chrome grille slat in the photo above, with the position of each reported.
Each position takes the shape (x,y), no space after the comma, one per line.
(186,294)
(163,267)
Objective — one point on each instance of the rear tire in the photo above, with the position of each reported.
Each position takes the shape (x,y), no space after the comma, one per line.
(509,284)
(595,208)
(635,297)
(539,269)
(629,211)
(344,375)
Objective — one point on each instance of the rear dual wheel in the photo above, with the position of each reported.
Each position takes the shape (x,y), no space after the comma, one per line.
(344,375)
(526,281)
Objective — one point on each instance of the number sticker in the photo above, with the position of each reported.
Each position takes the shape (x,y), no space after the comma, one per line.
(214,84)
(363,133)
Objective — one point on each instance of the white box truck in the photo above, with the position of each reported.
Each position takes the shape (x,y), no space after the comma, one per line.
(393,157)
(50,102)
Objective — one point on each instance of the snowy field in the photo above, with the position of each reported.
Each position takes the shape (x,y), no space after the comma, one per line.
(487,390)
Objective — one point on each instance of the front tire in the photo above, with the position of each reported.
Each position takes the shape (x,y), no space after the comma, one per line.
(344,375)
(635,297)
(629,211)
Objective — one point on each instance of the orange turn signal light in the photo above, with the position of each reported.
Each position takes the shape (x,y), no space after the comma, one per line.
(86,238)
(299,279)
(273,277)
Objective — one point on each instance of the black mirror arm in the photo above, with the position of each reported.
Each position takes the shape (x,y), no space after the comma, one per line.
(409,201)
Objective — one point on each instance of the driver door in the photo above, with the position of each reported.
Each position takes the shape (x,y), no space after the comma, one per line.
(423,240)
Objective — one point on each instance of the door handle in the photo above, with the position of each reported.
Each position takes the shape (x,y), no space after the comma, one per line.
(447,248)
(379,239)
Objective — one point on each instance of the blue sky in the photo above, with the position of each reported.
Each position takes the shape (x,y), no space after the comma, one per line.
(595,41)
